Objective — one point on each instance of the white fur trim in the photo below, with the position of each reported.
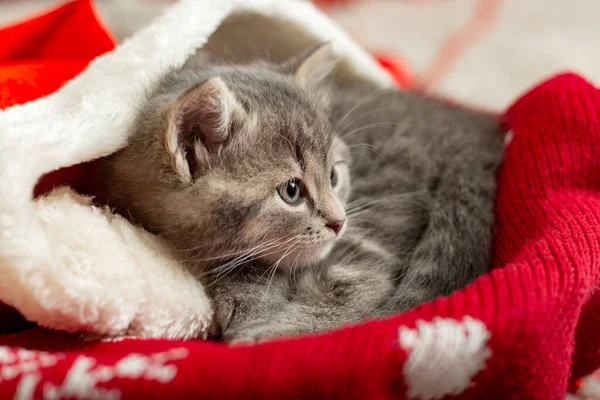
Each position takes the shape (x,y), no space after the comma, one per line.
(443,356)
(65,264)
(589,387)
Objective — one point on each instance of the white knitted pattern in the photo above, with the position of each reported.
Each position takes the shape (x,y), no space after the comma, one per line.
(443,356)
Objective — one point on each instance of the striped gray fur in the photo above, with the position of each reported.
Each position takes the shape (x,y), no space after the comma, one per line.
(408,216)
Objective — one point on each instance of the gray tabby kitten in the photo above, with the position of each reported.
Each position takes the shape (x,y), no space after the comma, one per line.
(245,170)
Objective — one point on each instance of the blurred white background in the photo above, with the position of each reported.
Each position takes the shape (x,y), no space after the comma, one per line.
(481,52)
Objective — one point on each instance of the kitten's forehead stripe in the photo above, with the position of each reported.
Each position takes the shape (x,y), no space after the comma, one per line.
(299,158)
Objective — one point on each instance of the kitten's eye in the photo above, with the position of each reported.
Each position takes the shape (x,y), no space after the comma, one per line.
(333,177)
(290,191)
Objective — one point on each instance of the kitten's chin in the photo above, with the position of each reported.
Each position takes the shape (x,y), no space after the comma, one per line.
(325,250)
(299,257)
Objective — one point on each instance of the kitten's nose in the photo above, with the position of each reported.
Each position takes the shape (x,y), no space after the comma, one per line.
(335,225)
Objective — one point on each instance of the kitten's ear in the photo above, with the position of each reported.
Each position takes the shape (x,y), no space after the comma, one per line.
(314,65)
(199,124)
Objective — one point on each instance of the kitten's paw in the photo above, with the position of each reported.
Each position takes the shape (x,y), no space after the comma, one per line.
(242,342)
(254,333)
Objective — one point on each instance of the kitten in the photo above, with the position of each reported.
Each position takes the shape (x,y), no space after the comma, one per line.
(243,170)
(419,216)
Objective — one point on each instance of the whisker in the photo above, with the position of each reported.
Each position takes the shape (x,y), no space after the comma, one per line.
(362,154)
(276,265)
(224,269)
(222,256)
(362,204)
(371,112)
(364,101)
(368,147)
(257,253)
(293,267)
(284,254)
(239,252)
(370,126)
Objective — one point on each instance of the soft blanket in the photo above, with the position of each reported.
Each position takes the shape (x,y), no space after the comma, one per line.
(519,332)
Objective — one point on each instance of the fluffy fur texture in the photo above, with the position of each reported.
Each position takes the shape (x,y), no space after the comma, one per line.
(424,184)
(420,218)
(61,268)
(212,156)
(237,136)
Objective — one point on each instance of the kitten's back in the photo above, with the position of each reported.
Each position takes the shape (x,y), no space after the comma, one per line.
(418,156)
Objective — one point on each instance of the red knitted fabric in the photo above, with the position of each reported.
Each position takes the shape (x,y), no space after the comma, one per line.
(515,333)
